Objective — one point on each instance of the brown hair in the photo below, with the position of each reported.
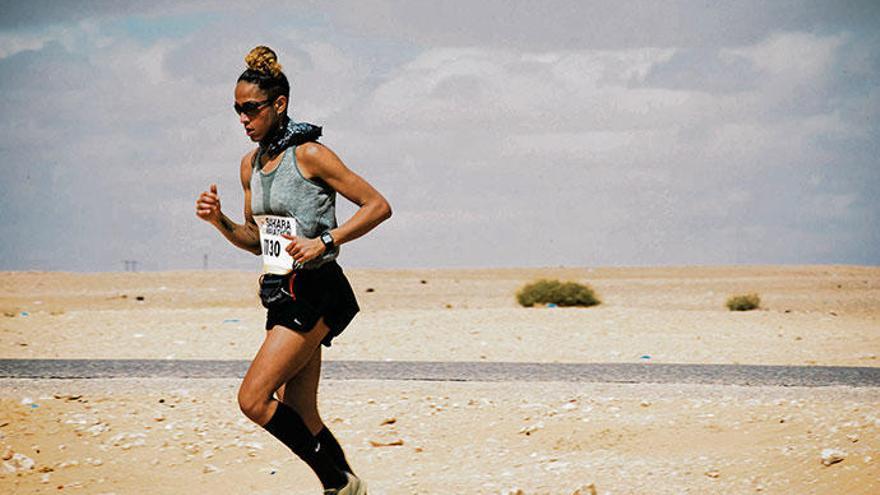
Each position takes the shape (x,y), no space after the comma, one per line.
(265,71)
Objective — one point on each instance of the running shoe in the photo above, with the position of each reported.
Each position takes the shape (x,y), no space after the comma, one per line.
(355,486)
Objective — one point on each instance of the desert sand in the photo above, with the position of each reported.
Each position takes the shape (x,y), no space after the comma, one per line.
(187,436)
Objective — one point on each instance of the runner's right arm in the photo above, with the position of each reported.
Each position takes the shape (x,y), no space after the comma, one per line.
(245,236)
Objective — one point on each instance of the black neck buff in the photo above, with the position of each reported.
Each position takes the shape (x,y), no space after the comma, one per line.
(288,134)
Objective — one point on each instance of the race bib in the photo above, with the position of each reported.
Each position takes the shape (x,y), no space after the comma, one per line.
(275,257)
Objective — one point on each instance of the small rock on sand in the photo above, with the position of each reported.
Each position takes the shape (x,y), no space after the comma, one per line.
(832,456)
(67,397)
(392,443)
(586,490)
(19,462)
(528,430)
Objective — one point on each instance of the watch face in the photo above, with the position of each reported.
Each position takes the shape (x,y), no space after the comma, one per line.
(327,239)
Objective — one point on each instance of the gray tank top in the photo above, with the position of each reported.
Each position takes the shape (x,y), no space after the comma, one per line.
(285,192)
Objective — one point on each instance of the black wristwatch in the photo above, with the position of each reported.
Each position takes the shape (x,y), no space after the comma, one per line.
(327,239)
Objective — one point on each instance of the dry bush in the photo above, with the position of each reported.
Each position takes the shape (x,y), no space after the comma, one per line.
(556,292)
(744,302)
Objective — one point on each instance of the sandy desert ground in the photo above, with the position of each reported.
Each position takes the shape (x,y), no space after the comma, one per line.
(187,436)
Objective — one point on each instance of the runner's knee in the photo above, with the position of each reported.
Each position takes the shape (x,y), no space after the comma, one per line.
(253,404)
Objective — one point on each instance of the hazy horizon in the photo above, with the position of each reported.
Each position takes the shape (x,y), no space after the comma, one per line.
(504,134)
(587,268)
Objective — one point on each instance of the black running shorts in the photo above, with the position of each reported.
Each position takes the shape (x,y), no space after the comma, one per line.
(319,292)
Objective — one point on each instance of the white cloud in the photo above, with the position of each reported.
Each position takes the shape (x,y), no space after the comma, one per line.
(12,43)
(829,206)
(587,89)
(332,82)
(150,62)
(802,56)
(579,131)
(547,153)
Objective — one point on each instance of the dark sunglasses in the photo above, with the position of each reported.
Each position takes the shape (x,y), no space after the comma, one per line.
(250,108)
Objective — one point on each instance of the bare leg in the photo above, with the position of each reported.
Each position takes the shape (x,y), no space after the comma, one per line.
(301,392)
(282,356)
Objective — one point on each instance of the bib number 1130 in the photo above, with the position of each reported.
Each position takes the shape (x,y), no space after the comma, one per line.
(271,247)
(275,256)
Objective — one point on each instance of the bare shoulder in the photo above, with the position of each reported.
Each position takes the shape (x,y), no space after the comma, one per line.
(312,152)
(247,168)
(315,159)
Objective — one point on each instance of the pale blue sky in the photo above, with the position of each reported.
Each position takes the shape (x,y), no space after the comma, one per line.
(503,133)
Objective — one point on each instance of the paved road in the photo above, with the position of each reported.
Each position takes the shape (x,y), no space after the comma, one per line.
(720,374)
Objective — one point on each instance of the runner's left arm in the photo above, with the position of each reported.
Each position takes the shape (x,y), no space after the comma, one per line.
(374,208)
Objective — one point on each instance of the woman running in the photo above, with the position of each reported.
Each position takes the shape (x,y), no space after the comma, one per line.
(290,184)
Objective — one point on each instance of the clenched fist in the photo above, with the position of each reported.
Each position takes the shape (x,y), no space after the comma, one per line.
(303,249)
(208,205)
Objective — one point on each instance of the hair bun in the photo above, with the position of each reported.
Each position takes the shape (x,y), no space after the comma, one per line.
(263,59)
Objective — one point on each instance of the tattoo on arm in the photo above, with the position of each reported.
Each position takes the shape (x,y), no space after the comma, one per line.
(241,236)
(227,224)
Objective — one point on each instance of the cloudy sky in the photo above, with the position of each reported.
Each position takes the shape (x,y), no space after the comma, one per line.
(503,133)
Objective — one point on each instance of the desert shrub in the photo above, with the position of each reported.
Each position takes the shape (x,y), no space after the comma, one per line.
(556,292)
(743,302)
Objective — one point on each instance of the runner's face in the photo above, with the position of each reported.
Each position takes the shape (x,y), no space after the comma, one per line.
(256,121)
